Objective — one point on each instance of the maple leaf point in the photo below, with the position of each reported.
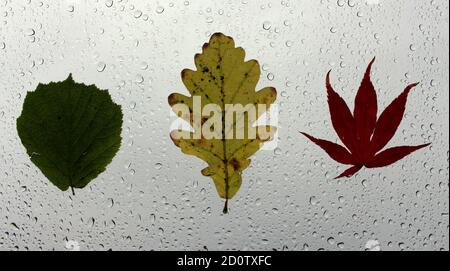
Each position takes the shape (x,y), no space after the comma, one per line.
(362,133)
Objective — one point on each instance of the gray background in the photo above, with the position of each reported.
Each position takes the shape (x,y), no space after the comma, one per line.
(154,197)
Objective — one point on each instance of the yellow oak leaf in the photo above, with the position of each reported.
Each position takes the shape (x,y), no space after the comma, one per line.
(222,110)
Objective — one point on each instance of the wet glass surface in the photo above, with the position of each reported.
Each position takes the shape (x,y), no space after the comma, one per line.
(154,197)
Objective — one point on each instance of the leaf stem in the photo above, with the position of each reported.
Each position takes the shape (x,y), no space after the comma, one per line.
(73,190)
(225,207)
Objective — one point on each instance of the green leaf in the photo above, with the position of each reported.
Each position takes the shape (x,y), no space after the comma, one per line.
(70,131)
(222,78)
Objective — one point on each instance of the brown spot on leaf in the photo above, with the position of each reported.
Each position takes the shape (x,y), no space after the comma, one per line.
(184,73)
(175,140)
(235,163)
(217,35)
(207,172)
(273,92)
(172,99)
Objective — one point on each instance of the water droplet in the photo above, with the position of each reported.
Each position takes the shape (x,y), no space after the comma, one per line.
(30,32)
(139,79)
(101,66)
(14,226)
(373,245)
(137,14)
(110,202)
(330,241)
(277,151)
(109,3)
(144,65)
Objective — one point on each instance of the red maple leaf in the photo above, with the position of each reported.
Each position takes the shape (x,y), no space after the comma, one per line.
(363,135)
